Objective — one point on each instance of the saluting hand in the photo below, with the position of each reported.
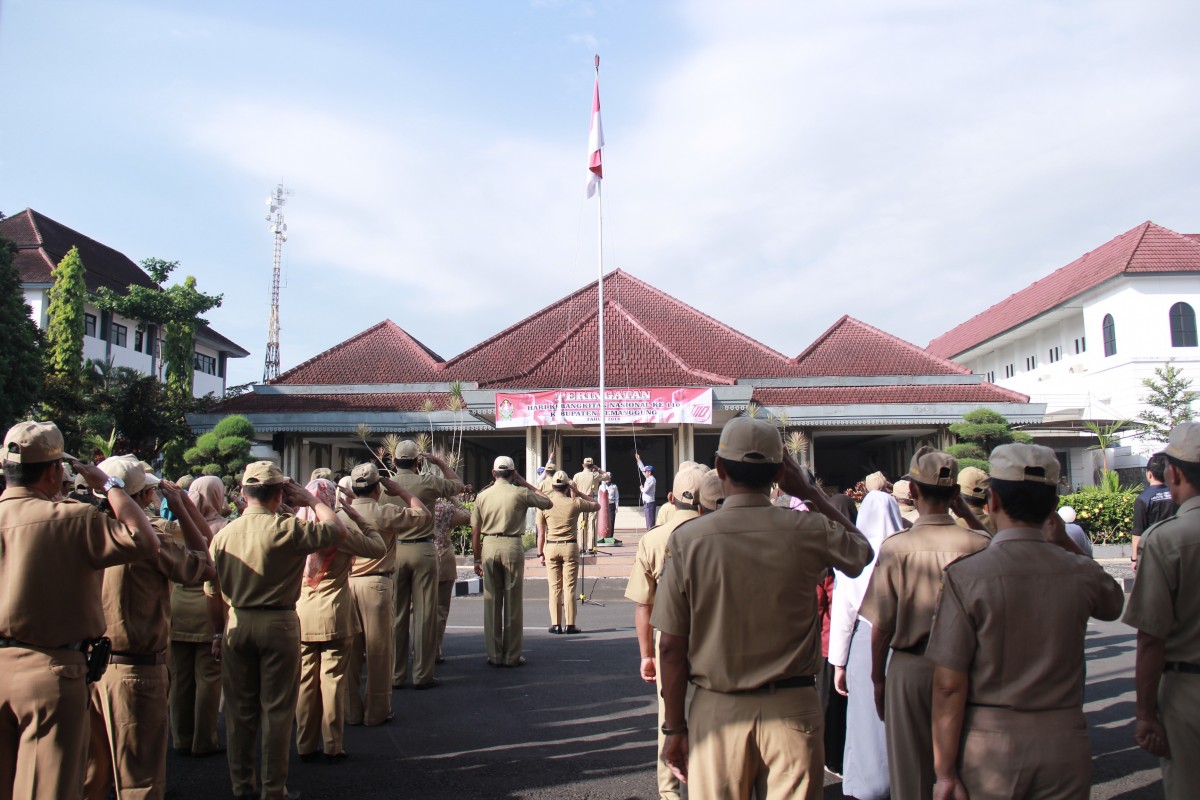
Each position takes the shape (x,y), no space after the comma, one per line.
(297,496)
(95,477)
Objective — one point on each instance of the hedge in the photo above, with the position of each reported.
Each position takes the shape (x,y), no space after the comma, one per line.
(1106,516)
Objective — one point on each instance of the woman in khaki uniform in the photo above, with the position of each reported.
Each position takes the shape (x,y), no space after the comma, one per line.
(447,515)
(558,550)
(326,612)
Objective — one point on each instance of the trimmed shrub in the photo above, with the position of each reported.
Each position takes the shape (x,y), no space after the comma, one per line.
(1106,516)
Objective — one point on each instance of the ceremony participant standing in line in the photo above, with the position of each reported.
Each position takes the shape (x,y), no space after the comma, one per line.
(1153,505)
(260,560)
(902,491)
(559,551)
(1165,609)
(326,611)
(899,605)
(447,515)
(195,692)
(546,476)
(756,719)
(1008,643)
(417,568)
(587,483)
(649,487)
(127,750)
(641,589)
(52,558)
(371,588)
(973,489)
(497,524)
(614,497)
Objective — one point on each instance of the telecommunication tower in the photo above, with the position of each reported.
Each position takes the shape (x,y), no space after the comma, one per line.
(279,228)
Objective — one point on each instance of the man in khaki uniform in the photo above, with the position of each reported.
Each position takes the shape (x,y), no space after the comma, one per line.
(973,488)
(128,722)
(52,559)
(587,482)
(756,721)
(1008,640)
(497,524)
(558,550)
(416,578)
(260,560)
(899,605)
(643,583)
(371,587)
(1165,609)
(902,491)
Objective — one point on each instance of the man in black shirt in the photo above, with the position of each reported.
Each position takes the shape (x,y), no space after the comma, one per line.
(1153,505)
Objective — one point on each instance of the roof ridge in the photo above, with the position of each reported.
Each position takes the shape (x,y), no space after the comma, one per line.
(339,346)
(846,319)
(96,269)
(551,351)
(668,351)
(1141,237)
(433,358)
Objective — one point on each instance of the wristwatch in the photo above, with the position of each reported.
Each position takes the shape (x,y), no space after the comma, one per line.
(113,482)
(678,729)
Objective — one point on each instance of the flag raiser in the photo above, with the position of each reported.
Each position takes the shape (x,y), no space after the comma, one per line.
(595,140)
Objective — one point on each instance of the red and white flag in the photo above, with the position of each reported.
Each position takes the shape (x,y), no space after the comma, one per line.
(595,140)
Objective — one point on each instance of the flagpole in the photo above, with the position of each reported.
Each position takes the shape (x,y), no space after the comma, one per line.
(600,284)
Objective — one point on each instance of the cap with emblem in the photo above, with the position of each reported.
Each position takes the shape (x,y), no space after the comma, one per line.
(973,482)
(129,470)
(902,491)
(321,473)
(587,462)
(34,443)
(561,478)
(932,467)
(503,462)
(711,490)
(263,473)
(1024,462)
(1184,442)
(754,441)
(686,487)
(876,482)
(407,450)
(364,476)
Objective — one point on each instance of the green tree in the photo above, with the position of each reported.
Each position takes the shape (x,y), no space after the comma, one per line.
(1170,400)
(64,335)
(20,345)
(224,451)
(980,432)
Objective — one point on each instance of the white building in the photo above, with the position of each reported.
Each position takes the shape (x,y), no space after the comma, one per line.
(1082,339)
(42,243)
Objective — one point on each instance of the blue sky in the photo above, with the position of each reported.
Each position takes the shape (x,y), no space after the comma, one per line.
(774,164)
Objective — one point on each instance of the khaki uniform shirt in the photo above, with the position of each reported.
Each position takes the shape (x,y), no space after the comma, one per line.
(501,507)
(547,484)
(741,585)
(392,522)
(1014,616)
(260,556)
(562,518)
(428,488)
(908,574)
(327,610)
(648,563)
(54,556)
(1165,602)
(981,513)
(136,597)
(910,513)
(587,481)
(189,606)
(665,512)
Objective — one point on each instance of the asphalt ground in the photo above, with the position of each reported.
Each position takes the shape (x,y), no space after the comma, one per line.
(576,722)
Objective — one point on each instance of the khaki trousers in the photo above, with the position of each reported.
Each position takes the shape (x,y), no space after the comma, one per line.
(503,617)
(321,705)
(43,723)
(373,605)
(1179,708)
(908,713)
(562,571)
(668,784)
(447,577)
(587,529)
(128,745)
(1044,754)
(260,671)
(195,696)
(769,743)
(416,581)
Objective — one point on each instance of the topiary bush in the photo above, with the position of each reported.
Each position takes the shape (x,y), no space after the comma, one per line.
(1106,516)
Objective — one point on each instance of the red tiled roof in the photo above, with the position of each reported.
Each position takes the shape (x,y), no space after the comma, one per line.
(251,403)
(851,395)
(383,353)
(855,349)
(1148,248)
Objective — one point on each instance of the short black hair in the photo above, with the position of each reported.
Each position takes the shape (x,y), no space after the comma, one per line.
(363,491)
(937,494)
(1157,466)
(973,501)
(404,463)
(1025,501)
(685,506)
(751,476)
(562,488)
(1189,469)
(19,474)
(263,493)
(503,473)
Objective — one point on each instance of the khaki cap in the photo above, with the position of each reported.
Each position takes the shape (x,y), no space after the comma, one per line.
(185,482)
(1024,462)
(347,483)
(130,471)
(364,475)
(876,482)
(973,482)
(263,473)
(321,473)
(711,490)
(561,478)
(1184,442)
(751,440)
(933,467)
(34,443)
(902,491)
(551,466)
(407,449)
(587,462)
(503,462)
(686,487)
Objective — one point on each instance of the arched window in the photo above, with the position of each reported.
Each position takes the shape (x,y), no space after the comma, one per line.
(1183,326)
(1110,336)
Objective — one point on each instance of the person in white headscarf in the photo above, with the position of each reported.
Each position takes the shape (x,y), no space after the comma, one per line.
(865,765)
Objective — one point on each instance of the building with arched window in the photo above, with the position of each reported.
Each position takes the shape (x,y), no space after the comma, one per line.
(1132,300)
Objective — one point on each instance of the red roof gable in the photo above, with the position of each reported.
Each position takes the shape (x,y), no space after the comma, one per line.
(383,353)
(855,349)
(1148,248)
(982,393)
(251,403)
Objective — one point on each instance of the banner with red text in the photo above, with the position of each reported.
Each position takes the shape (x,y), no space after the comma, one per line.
(621,406)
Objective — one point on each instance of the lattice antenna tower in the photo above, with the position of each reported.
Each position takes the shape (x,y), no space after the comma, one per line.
(279,229)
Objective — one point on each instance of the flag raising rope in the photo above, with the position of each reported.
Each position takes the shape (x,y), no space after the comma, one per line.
(595,140)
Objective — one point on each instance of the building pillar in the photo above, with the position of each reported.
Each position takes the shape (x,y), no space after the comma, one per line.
(533,452)
(685,443)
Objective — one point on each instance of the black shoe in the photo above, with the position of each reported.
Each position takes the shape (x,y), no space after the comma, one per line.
(555,629)
(309,758)
(432,684)
(573,629)
(337,758)
(491,663)
(519,663)
(440,660)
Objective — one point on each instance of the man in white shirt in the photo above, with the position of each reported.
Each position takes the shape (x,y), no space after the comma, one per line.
(649,485)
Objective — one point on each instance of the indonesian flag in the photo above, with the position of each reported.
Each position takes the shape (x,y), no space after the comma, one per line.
(595,142)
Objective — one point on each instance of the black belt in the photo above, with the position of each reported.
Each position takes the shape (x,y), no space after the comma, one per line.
(1182,666)
(8,642)
(374,575)
(414,541)
(291,607)
(139,659)
(917,649)
(786,683)
(504,535)
(564,541)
